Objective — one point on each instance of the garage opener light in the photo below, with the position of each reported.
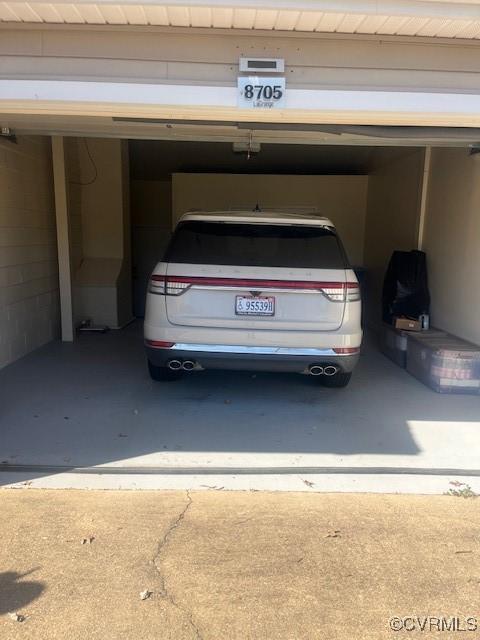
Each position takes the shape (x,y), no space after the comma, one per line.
(247,147)
(7,133)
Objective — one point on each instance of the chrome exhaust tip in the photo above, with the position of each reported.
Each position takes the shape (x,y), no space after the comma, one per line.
(330,370)
(174,365)
(188,365)
(315,370)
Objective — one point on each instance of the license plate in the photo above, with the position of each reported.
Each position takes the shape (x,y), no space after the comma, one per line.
(254,306)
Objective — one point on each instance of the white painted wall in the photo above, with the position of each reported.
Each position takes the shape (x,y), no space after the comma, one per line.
(108,71)
(393,207)
(29,300)
(452,241)
(340,198)
(151,215)
(100,220)
(210,57)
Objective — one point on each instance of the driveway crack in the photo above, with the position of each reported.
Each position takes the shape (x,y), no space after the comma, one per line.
(157,562)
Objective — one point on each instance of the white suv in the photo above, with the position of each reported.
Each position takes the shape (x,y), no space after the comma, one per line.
(256,291)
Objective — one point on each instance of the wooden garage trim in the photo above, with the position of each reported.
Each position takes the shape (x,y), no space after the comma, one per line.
(210,103)
(63,238)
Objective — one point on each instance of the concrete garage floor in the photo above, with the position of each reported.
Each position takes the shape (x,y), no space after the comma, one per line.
(66,410)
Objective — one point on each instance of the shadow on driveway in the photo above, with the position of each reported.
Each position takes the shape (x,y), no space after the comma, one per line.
(16,593)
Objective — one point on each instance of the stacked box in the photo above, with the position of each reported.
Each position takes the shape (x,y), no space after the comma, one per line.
(393,342)
(446,364)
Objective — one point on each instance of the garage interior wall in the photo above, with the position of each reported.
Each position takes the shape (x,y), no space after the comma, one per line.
(452,241)
(151,215)
(375,214)
(99,212)
(393,211)
(341,198)
(29,295)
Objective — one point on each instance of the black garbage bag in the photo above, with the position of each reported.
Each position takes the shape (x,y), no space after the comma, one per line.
(405,288)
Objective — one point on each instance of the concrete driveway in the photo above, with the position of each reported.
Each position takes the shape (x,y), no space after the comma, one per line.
(235,565)
(87,415)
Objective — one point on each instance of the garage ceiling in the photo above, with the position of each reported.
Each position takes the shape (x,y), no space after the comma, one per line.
(156,160)
(427,18)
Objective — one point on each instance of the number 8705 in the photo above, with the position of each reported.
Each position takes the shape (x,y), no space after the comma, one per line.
(263,92)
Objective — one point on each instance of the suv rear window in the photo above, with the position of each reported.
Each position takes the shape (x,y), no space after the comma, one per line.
(256,245)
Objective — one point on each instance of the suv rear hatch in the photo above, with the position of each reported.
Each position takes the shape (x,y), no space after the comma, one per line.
(293,275)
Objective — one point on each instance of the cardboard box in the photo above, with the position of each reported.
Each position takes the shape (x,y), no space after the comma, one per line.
(393,344)
(446,364)
(407,324)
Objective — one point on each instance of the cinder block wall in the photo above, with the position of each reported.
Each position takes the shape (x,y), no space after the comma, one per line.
(29,297)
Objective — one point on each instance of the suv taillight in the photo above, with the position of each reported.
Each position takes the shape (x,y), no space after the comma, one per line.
(176,285)
(157,285)
(165,286)
(353,291)
(342,291)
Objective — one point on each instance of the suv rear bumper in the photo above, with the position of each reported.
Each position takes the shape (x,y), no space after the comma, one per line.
(286,359)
